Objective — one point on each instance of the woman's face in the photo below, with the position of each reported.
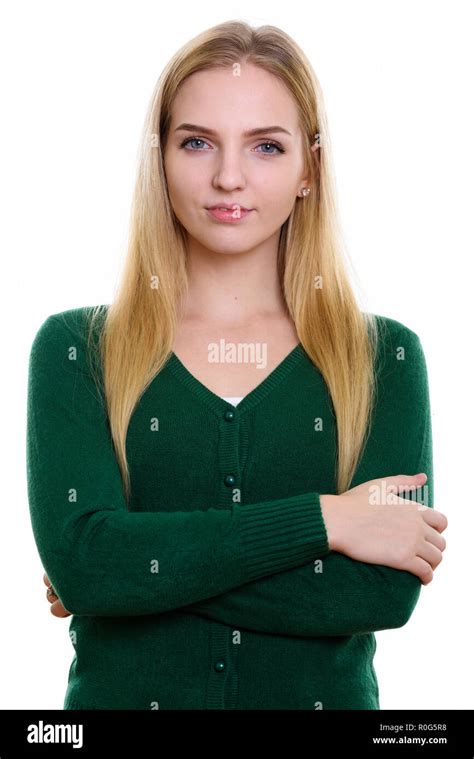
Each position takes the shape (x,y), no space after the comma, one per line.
(229,167)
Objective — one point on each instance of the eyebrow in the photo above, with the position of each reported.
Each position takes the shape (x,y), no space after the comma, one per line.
(250,133)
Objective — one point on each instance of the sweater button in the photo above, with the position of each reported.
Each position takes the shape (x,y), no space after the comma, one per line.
(219,666)
(229,415)
(229,480)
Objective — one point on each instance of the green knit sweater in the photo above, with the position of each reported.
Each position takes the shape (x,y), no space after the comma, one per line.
(216,588)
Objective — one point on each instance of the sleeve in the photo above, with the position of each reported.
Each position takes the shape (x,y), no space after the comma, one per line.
(338,595)
(106,560)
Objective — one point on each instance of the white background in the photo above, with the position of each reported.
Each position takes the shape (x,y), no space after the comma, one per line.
(397,83)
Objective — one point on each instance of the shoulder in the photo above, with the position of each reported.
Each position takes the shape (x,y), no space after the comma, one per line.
(394,338)
(74,321)
(67,334)
(390,330)
(399,351)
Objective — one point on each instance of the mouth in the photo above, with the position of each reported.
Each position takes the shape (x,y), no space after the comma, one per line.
(228,207)
(229,213)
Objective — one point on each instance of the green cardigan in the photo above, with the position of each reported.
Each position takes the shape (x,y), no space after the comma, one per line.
(215,588)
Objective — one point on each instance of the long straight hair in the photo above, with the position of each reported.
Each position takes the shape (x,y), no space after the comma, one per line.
(137,329)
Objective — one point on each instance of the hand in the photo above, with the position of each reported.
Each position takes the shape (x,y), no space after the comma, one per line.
(363,524)
(57,609)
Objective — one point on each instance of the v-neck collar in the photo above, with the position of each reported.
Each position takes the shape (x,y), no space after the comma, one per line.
(219,404)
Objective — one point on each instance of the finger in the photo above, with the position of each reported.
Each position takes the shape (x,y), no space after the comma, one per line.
(421,569)
(50,592)
(400,482)
(51,596)
(434,518)
(433,536)
(58,610)
(430,553)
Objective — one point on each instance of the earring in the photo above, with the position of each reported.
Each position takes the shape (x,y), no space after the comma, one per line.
(306,191)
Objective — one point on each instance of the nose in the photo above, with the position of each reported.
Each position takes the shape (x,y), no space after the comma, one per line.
(229,172)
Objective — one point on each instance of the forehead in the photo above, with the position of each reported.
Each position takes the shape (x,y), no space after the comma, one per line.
(252,98)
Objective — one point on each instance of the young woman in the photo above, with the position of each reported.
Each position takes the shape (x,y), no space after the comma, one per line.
(211,456)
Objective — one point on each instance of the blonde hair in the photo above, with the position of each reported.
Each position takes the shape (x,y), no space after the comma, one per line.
(137,332)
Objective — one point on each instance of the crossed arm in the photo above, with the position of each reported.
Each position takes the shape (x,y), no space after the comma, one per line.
(336,595)
(306,591)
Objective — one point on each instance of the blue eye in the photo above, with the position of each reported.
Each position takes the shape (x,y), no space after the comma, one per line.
(272,145)
(269,143)
(191,139)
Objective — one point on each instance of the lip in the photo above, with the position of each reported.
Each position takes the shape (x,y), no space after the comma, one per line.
(230,214)
(228,205)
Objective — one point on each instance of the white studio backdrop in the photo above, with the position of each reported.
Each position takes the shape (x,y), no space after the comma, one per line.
(397,83)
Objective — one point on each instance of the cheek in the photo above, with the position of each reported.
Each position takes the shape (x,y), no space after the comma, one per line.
(178,190)
(277,198)
(277,184)
(184,185)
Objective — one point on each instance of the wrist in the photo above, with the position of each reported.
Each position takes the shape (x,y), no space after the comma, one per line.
(331,516)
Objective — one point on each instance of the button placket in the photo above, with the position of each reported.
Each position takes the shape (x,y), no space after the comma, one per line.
(228,453)
(222,683)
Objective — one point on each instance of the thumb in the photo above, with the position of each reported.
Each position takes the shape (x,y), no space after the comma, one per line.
(400,482)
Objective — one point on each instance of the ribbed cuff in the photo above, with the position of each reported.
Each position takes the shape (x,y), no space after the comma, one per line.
(281,534)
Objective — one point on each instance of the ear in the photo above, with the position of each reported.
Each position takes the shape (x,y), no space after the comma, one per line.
(316,151)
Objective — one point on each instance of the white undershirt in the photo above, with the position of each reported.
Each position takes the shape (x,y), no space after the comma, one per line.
(233,399)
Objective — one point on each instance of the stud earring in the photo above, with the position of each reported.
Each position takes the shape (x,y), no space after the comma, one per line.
(306,191)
